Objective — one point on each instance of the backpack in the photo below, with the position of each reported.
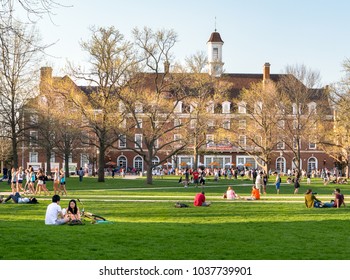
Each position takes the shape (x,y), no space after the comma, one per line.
(180,205)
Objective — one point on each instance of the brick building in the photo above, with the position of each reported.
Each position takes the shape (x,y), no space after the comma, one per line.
(224,155)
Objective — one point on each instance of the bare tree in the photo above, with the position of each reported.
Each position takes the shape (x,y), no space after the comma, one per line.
(152,99)
(262,125)
(111,62)
(19,58)
(304,107)
(334,135)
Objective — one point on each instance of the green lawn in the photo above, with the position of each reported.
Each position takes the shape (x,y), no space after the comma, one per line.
(146,225)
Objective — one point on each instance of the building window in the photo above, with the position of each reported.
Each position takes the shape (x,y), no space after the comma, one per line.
(210,107)
(210,140)
(33,157)
(33,119)
(281,124)
(226,107)
(242,124)
(122,141)
(122,162)
(138,107)
(210,123)
(312,145)
(53,157)
(215,53)
(139,123)
(155,161)
(138,163)
(156,143)
(295,142)
(242,109)
(84,160)
(311,164)
(312,108)
(178,107)
(138,140)
(281,164)
(33,138)
(226,124)
(280,145)
(177,122)
(242,141)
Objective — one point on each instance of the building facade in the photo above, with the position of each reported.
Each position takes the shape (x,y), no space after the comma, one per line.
(213,154)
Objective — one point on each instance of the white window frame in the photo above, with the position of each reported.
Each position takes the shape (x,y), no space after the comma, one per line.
(33,138)
(33,155)
(242,140)
(138,139)
(210,107)
(178,107)
(226,107)
(122,141)
(242,109)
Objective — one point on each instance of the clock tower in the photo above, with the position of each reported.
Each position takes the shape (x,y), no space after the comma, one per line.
(215,63)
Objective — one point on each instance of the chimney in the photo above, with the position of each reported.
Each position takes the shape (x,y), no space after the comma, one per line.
(166,67)
(266,71)
(45,79)
(45,73)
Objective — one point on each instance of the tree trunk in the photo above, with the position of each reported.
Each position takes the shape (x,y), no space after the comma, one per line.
(195,157)
(48,163)
(101,166)
(14,152)
(66,164)
(149,168)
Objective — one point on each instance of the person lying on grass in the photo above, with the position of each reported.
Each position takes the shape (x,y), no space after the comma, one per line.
(311,200)
(17,198)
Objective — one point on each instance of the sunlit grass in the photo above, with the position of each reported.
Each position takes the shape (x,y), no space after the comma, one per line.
(277,227)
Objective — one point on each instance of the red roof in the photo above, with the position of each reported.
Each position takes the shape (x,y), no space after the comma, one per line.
(215,38)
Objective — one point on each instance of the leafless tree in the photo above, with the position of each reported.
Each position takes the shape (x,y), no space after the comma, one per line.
(19,58)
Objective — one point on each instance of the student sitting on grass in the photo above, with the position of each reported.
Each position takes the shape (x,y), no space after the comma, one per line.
(338,200)
(311,200)
(54,215)
(230,194)
(199,200)
(255,195)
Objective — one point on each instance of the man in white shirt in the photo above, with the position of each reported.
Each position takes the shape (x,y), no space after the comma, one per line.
(54,215)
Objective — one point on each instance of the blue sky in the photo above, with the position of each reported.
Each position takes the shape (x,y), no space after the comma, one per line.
(313,32)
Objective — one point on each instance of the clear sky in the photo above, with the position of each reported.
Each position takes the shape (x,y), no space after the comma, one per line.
(283,32)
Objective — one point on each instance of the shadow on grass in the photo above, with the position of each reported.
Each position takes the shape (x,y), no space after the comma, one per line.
(176,241)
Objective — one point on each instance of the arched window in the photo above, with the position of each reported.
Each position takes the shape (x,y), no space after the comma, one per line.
(311,164)
(138,163)
(155,161)
(281,164)
(122,162)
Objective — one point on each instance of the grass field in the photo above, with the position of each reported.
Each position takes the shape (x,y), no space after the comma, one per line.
(145,225)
